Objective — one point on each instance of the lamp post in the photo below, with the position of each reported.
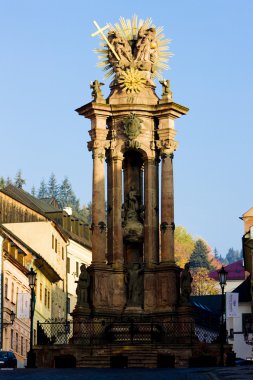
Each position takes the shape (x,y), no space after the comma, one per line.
(12,318)
(223,280)
(32,280)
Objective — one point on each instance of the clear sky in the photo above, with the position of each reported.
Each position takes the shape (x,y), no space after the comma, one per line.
(47,63)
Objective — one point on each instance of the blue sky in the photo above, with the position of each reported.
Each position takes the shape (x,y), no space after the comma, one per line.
(47,63)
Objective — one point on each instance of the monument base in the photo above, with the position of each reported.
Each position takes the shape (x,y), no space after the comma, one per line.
(138,356)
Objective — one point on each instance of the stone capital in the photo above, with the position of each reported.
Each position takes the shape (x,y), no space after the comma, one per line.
(167,147)
(98,148)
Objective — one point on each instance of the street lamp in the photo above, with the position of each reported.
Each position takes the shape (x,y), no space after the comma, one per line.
(32,280)
(223,281)
(12,318)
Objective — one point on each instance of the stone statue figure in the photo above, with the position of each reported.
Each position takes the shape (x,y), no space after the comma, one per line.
(145,44)
(185,284)
(135,285)
(96,91)
(123,50)
(167,93)
(132,200)
(83,284)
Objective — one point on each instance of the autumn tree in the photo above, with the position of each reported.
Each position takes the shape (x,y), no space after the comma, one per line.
(199,256)
(184,245)
(202,284)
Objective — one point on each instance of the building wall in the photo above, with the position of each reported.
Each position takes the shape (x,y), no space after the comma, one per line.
(45,239)
(16,337)
(241,349)
(77,255)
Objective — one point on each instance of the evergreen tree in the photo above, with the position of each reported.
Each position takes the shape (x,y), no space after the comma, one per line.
(52,187)
(33,191)
(199,256)
(42,192)
(66,196)
(8,181)
(19,181)
(216,255)
(2,183)
(233,255)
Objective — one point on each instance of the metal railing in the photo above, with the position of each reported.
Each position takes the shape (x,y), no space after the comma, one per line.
(122,332)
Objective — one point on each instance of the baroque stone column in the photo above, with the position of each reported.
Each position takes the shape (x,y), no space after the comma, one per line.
(98,203)
(117,234)
(151,209)
(167,210)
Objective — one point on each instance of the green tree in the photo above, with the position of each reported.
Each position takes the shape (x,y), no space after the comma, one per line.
(66,196)
(2,182)
(42,192)
(8,181)
(52,187)
(19,180)
(33,191)
(199,256)
(233,255)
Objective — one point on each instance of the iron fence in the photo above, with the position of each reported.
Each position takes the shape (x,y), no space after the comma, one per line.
(130,332)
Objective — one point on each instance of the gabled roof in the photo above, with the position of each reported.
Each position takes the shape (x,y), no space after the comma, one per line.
(28,200)
(235,271)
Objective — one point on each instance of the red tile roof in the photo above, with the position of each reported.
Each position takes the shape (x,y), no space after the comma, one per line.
(235,271)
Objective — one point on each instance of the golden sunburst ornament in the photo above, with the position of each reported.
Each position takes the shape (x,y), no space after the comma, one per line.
(132,46)
(131,80)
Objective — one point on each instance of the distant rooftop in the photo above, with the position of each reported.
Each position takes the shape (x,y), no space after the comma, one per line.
(235,271)
(28,200)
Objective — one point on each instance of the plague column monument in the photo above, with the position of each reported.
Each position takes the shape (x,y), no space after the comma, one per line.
(133,301)
(133,270)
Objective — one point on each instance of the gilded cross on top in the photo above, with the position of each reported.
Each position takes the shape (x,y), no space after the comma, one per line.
(101,32)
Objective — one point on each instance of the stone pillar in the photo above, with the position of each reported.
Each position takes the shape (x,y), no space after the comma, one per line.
(98,207)
(167,210)
(150,198)
(109,210)
(117,235)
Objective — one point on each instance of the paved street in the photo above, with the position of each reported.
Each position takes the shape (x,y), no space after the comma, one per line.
(238,373)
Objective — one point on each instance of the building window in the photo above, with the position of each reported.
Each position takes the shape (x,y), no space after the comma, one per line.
(6,288)
(22,346)
(12,292)
(77,269)
(52,241)
(26,346)
(48,299)
(16,342)
(12,339)
(40,291)
(62,253)
(68,265)
(45,300)
(55,247)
